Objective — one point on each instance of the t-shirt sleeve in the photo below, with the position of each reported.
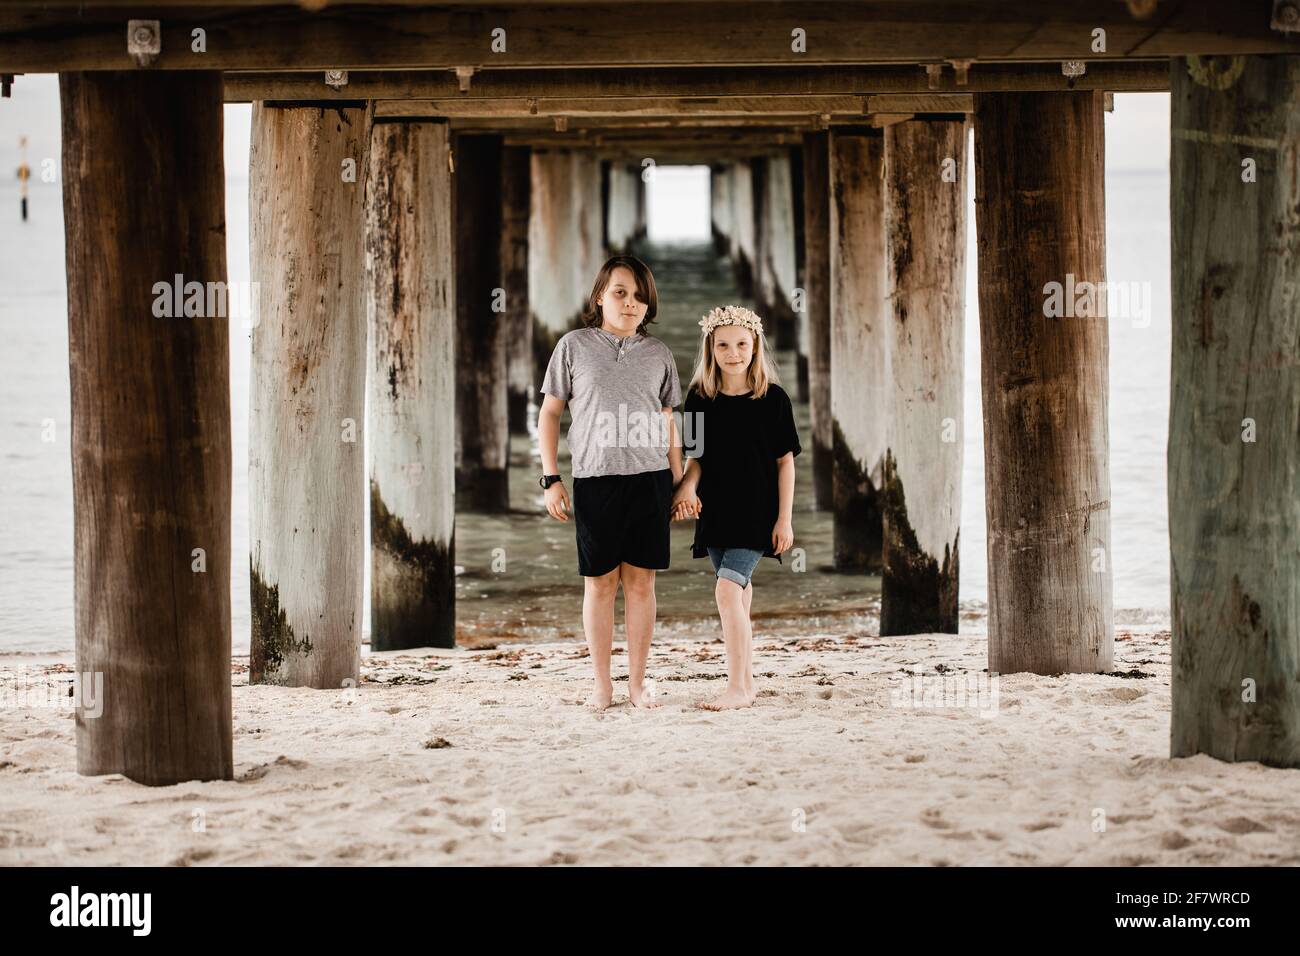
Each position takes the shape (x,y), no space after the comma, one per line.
(785,437)
(670,391)
(558,380)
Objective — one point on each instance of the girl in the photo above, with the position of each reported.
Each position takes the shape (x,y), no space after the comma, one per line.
(739,480)
(621,385)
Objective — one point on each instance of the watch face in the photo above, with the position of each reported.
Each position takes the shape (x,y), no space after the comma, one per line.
(542,481)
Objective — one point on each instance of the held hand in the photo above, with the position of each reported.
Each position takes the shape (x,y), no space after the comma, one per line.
(686,504)
(557,502)
(782,535)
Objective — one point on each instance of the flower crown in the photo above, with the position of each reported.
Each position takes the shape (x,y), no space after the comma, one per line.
(731,315)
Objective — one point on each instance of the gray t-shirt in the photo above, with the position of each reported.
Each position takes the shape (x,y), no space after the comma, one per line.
(617,389)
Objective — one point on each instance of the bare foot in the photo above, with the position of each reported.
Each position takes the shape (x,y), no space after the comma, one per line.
(732,698)
(641,697)
(601,697)
(750,690)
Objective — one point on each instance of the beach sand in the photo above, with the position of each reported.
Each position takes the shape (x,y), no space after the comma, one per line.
(489,757)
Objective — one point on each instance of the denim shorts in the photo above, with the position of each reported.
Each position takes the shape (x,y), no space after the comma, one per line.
(735,564)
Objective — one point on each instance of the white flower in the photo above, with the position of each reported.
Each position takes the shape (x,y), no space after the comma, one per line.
(731,315)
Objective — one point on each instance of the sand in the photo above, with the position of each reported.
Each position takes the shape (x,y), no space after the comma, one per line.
(489,757)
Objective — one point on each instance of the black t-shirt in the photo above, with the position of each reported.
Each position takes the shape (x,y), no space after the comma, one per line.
(740,441)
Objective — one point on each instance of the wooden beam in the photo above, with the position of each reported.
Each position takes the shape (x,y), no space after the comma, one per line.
(411,311)
(1040,211)
(704,33)
(306,470)
(697,83)
(925,210)
(1234,423)
(636,109)
(150,425)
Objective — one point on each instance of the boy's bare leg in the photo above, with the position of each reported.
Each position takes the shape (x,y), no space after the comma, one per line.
(639,608)
(598,624)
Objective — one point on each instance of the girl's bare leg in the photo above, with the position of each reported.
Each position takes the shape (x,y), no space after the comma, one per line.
(639,607)
(598,624)
(736,636)
(750,690)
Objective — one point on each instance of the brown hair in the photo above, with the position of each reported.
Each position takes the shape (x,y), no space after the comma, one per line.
(645,288)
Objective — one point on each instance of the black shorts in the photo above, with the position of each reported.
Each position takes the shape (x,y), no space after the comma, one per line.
(623,518)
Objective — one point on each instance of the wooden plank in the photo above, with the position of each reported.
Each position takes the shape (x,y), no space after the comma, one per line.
(1040,212)
(637,108)
(925,210)
(1234,423)
(306,466)
(697,83)
(150,426)
(411,311)
(705,33)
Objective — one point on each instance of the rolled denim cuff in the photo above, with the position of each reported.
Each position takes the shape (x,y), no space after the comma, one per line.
(734,576)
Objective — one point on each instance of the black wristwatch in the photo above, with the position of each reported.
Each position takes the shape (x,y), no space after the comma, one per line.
(547,480)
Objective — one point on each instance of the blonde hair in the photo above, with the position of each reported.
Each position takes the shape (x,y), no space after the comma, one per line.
(707,380)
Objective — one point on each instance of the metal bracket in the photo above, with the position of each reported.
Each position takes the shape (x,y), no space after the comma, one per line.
(1286,17)
(933,73)
(6,84)
(1073,68)
(336,79)
(463,73)
(531,102)
(144,41)
(561,124)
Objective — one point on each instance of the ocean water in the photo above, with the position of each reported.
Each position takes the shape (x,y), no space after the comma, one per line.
(539,595)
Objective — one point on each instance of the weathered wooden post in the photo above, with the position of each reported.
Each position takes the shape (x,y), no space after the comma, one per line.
(553,301)
(588,253)
(799,294)
(306,471)
(412,430)
(762,273)
(742,220)
(516,187)
(150,424)
(1040,214)
(720,226)
(779,250)
(622,207)
(817,293)
(925,209)
(482,482)
(1234,423)
(860,368)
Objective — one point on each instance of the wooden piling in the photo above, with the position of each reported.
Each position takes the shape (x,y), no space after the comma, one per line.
(587,254)
(306,478)
(1234,422)
(925,210)
(622,207)
(553,300)
(779,251)
(742,220)
(720,208)
(412,316)
(859,358)
(516,188)
(817,291)
(150,424)
(799,294)
(1040,213)
(481,327)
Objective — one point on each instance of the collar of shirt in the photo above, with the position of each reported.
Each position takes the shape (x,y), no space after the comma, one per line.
(619,343)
